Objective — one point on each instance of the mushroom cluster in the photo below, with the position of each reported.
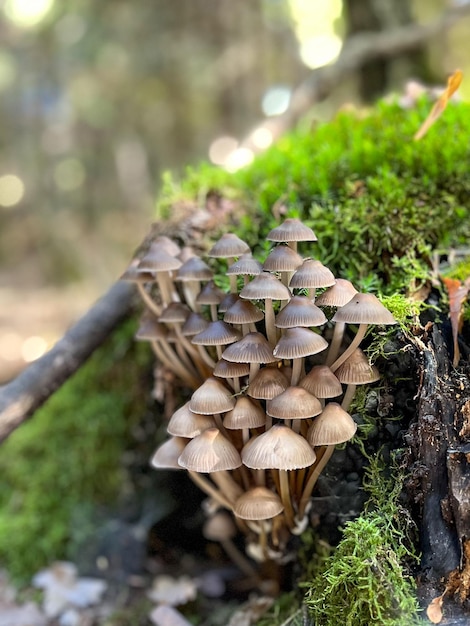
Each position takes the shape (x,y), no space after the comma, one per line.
(271,377)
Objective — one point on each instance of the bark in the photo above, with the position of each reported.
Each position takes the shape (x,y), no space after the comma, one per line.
(439,479)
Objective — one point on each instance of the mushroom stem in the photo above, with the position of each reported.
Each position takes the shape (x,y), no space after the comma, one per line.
(227,485)
(335,344)
(348,396)
(164,353)
(317,469)
(208,488)
(271,334)
(237,557)
(296,371)
(361,331)
(284,494)
(151,305)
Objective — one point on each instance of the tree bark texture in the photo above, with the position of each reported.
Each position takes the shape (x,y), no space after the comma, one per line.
(439,477)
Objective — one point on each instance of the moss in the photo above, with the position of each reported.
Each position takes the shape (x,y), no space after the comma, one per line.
(367,578)
(378,201)
(67,458)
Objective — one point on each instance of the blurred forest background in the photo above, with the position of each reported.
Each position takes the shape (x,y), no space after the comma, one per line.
(98,99)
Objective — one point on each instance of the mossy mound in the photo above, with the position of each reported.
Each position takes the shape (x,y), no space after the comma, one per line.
(378,201)
(67,459)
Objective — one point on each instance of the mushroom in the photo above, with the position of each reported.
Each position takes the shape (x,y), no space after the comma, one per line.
(295,403)
(268,383)
(229,247)
(363,309)
(266,287)
(232,372)
(191,274)
(158,262)
(246,266)
(356,370)
(245,314)
(321,382)
(217,334)
(312,275)
(185,423)
(284,260)
(291,231)
(246,414)
(297,343)
(253,349)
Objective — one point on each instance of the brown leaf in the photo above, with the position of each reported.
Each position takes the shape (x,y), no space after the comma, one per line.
(434,610)
(453,83)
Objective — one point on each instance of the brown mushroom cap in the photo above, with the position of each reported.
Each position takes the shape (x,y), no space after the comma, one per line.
(321,382)
(337,295)
(227,369)
(364,308)
(210,452)
(246,265)
(299,342)
(185,423)
(150,329)
(216,334)
(211,398)
(300,311)
(292,229)
(265,286)
(193,324)
(278,448)
(229,245)
(253,348)
(332,426)
(268,383)
(162,242)
(282,259)
(167,454)
(294,403)
(227,301)
(219,527)
(243,312)
(174,313)
(157,260)
(258,503)
(210,294)
(357,370)
(312,274)
(194,269)
(245,414)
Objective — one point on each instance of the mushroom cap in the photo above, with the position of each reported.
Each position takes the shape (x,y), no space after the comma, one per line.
(211,398)
(228,369)
(246,265)
(292,229)
(252,348)
(300,311)
(194,324)
(258,503)
(294,403)
(210,452)
(312,274)
(162,242)
(337,295)
(357,370)
(167,454)
(334,425)
(194,269)
(299,342)
(187,252)
(157,260)
(321,382)
(185,423)
(265,286)
(268,383)
(210,294)
(227,301)
(174,313)
(245,414)
(216,334)
(229,245)
(133,275)
(364,308)
(219,527)
(278,448)
(243,312)
(282,259)
(150,329)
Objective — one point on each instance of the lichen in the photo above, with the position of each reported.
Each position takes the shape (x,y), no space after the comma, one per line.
(67,457)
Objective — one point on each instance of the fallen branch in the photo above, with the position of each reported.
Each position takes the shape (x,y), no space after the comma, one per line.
(357,50)
(28,391)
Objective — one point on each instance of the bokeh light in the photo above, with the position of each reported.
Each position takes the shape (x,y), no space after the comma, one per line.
(11,190)
(27,13)
(221,148)
(276,100)
(320,50)
(32,348)
(262,138)
(239,158)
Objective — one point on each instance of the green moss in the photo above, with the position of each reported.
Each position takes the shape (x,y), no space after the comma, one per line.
(377,200)
(67,457)
(367,580)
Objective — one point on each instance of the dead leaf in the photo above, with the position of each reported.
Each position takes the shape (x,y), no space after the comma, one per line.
(434,610)
(457,295)
(453,83)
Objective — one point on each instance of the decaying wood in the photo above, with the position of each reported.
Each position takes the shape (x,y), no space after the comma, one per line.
(440,476)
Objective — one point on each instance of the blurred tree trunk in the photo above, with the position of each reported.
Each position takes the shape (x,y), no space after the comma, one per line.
(376,77)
